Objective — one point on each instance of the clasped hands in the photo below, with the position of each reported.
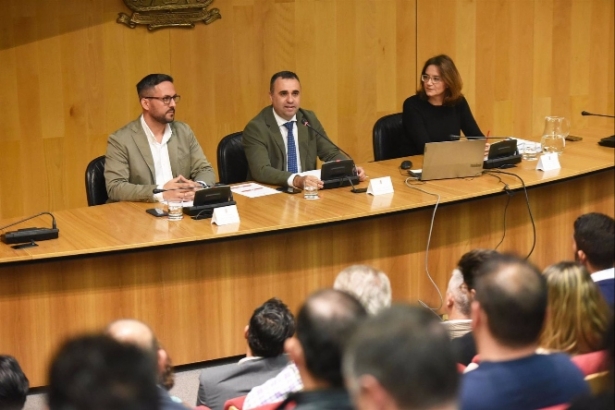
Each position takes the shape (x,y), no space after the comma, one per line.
(299,180)
(180,189)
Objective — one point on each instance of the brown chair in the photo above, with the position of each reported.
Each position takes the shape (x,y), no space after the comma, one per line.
(95,186)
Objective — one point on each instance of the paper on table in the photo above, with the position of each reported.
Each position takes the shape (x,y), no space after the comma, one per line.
(252,190)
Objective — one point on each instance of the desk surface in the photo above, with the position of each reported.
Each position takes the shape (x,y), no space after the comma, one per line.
(126,226)
(196,284)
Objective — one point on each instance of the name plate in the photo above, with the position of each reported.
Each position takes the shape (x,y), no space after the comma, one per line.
(380,186)
(548,162)
(225,215)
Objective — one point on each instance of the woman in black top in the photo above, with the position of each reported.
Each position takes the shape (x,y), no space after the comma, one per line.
(438,110)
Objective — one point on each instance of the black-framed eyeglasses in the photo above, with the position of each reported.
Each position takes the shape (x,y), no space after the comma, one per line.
(166,100)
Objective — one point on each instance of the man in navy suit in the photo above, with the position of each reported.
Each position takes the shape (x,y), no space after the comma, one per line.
(594,248)
(270,325)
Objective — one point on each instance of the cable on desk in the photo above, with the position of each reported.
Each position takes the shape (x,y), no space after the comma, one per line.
(527,201)
(433,217)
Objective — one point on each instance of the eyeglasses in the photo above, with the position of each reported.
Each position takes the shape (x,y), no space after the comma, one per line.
(166,100)
(435,80)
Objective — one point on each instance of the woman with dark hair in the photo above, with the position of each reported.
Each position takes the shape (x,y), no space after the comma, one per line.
(439,109)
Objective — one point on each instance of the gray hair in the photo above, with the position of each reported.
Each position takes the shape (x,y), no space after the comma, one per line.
(370,286)
(460,295)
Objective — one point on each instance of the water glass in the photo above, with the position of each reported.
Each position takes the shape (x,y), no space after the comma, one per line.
(530,151)
(176,210)
(310,189)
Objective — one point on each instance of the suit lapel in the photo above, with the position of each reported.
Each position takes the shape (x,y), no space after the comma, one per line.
(142,144)
(274,131)
(172,148)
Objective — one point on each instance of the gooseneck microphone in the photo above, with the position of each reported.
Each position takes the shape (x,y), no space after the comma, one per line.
(31,234)
(308,125)
(585,113)
(458,137)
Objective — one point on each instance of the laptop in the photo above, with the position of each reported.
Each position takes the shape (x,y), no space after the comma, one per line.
(451,159)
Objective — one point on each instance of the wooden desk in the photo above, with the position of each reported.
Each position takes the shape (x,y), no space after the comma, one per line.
(197,284)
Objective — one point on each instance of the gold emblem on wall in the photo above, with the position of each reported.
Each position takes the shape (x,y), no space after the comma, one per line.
(168,13)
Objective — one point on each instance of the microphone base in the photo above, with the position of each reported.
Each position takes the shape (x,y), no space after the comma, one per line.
(498,162)
(340,182)
(30,235)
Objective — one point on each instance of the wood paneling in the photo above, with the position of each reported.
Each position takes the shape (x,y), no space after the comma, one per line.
(69,71)
(525,59)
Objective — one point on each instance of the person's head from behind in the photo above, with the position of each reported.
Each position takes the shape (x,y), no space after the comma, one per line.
(510,304)
(285,94)
(577,314)
(324,323)
(458,297)
(470,266)
(594,241)
(13,384)
(401,359)
(440,79)
(270,325)
(99,373)
(157,97)
(370,286)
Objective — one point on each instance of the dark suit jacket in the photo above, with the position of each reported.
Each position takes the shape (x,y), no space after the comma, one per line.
(129,165)
(266,151)
(221,383)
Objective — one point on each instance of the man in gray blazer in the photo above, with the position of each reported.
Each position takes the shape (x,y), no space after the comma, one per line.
(154,151)
(270,325)
(273,157)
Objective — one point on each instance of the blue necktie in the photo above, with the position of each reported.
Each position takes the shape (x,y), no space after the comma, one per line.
(291,148)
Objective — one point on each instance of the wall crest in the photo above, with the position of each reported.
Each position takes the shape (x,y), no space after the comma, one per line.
(168,13)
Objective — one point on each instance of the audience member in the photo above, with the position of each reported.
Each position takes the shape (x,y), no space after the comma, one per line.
(508,314)
(457,306)
(606,399)
(270,325)
(464,346)
(155,151)
(13,384)
(98,373)
(373,290)
(131,331)
(401,359)
(594,248)
(283,141)
(577,314)
(324,323)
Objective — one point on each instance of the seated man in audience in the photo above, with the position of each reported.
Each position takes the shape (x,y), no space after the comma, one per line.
(155,151)
(324,323)
(99,373)
(401,359)
(464,347)
(270,325)
(594,247)
(508,313)
(279,142)
(457,306)
(370,286)
(13,384)
(134,332)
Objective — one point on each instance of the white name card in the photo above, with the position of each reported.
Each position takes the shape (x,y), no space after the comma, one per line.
(380,186)
(548,162)
(225,215)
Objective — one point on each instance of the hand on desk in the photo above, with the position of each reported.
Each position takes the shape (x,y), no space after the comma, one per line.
(299,181)
(361,174)
(180,189)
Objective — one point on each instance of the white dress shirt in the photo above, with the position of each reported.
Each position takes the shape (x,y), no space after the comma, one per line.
(160,154)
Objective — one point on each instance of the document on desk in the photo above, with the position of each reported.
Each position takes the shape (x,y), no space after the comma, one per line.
(253,190)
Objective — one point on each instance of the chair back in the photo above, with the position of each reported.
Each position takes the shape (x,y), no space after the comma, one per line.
(232,162)
(590,363)
(389,140)
(95,186)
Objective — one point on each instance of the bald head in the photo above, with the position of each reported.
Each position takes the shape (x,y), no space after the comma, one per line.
(134,332)
(513,294)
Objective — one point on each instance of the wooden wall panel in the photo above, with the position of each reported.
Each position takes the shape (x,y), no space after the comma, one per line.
(526,59)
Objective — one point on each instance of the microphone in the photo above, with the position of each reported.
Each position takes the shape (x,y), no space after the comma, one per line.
(31,234)
(585,113)
(308,125)
(161,190)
